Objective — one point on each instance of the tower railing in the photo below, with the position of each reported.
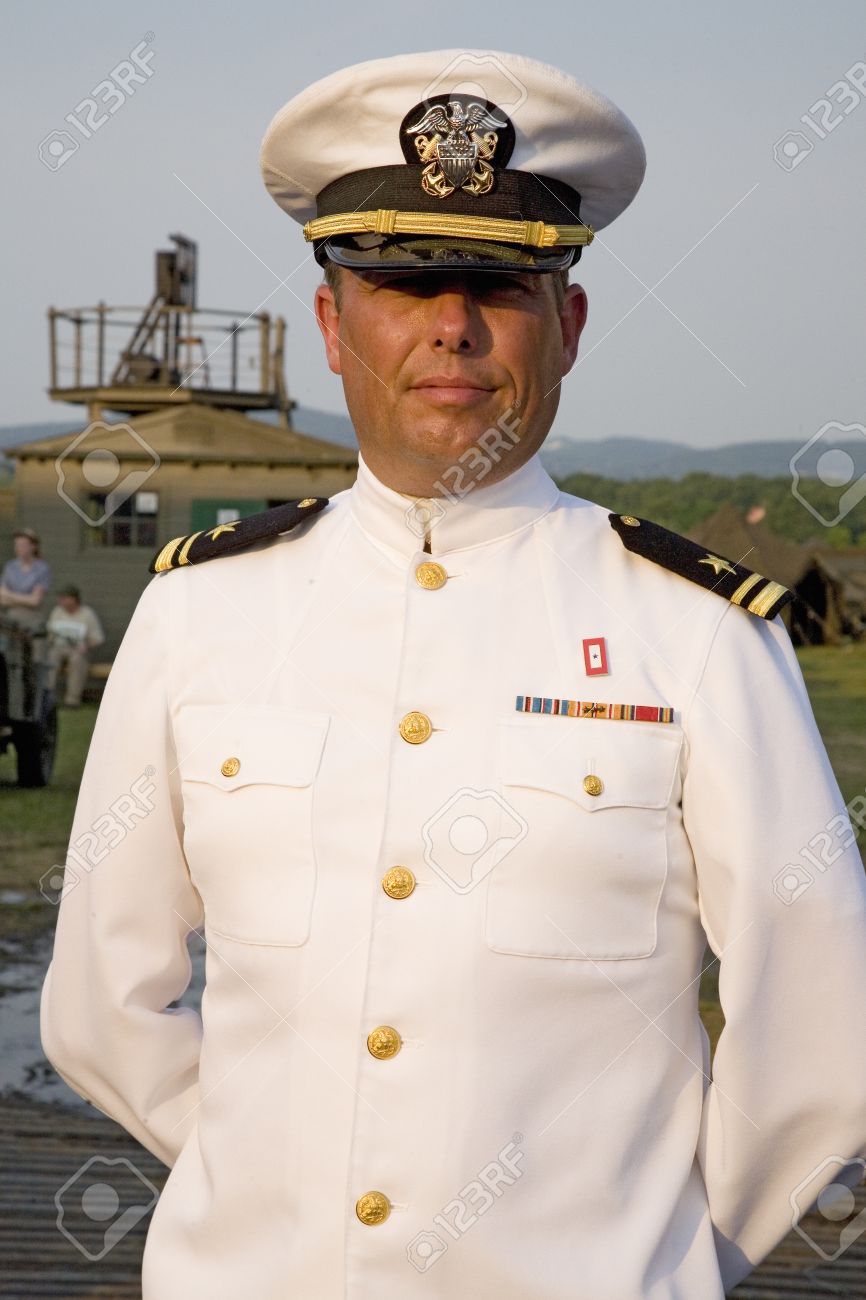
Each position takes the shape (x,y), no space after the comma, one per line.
(133,357)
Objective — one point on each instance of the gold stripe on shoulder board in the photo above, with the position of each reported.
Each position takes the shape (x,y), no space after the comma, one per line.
(745,587)
(163,560)
(765,599)
(183,557)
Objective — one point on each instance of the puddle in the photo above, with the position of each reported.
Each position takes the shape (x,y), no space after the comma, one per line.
(23,1067)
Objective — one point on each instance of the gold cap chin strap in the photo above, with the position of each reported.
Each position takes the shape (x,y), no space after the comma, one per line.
(386,221)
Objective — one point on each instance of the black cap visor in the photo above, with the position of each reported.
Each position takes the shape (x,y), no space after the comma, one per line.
(370,252)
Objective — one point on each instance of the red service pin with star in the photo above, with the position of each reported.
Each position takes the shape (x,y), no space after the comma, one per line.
(595,656)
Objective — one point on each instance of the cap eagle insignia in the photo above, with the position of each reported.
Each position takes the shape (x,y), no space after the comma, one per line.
(456,143)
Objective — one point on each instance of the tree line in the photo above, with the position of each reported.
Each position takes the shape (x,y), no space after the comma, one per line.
(683,503)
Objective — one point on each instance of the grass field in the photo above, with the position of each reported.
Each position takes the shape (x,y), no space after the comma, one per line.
(836,679)
(35,824)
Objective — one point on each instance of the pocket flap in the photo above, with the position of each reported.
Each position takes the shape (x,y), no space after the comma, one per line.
(268,746)
(636,762)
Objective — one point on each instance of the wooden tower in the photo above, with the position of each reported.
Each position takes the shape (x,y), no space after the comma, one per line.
(132,360)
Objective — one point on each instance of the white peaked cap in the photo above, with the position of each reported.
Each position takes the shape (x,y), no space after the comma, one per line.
(350,122)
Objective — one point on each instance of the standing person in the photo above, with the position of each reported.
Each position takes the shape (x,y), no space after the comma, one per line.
(24,581)
(24,584)
(75,630)
(460,775)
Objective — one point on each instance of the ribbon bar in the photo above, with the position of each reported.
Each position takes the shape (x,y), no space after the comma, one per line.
(594,709)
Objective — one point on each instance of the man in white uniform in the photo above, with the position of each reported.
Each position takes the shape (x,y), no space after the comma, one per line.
(459,780)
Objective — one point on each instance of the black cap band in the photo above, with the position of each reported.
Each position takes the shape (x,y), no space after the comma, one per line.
(517,196)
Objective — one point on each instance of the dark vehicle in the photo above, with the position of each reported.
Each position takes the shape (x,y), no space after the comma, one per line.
(28,711)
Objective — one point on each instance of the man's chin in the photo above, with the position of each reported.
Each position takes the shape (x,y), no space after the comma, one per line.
(442,461)
(450,431)
(442,443)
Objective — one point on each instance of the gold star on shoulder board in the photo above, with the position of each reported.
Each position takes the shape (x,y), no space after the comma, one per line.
(222,528)
(717,564)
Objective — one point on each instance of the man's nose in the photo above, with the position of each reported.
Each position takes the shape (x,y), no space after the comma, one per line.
(455,322)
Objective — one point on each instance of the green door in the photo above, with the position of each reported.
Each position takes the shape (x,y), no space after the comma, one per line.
(205,513)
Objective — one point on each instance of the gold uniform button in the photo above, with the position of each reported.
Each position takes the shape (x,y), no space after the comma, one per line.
(231,767)
(384,1042)
(415,728)
(630,521)
(430,576)
(398,882)
(373,1207)
(593,784)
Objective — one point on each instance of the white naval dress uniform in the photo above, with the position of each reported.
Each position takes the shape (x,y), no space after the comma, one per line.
(550,1005)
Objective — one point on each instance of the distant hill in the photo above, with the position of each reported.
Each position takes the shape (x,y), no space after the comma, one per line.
(614,458)
(639,458)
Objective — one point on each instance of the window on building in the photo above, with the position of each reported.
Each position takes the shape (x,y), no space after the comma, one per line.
(119,520)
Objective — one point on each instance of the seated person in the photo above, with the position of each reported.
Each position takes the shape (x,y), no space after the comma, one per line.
(74,630)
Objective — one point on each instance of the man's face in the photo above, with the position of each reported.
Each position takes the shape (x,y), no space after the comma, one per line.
(69,603)
(432,361)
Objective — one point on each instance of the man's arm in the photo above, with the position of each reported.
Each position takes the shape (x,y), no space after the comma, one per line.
(120,954)
(789,1075)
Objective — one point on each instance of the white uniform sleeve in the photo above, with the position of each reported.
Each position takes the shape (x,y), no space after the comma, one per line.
(788,1087)
(120,953)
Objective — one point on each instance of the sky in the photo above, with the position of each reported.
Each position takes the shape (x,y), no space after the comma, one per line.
(726,304)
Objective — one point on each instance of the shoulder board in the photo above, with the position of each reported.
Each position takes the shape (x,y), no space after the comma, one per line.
(739,585)
(225,539)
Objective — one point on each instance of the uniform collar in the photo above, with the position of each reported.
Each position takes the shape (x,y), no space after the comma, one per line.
(482,514)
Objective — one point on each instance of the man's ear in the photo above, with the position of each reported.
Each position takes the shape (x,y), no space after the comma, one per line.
(328,318)
(572,319)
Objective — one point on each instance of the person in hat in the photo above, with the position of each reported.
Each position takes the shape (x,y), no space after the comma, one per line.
(459,776)
(74,630)
(24,581)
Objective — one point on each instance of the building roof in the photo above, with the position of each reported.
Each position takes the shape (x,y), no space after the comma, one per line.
(193,433)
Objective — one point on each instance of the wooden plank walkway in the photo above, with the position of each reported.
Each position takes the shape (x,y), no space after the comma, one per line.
(42,1147)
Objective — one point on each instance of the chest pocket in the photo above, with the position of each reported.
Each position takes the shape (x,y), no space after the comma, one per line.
(248,779)
(586,881)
